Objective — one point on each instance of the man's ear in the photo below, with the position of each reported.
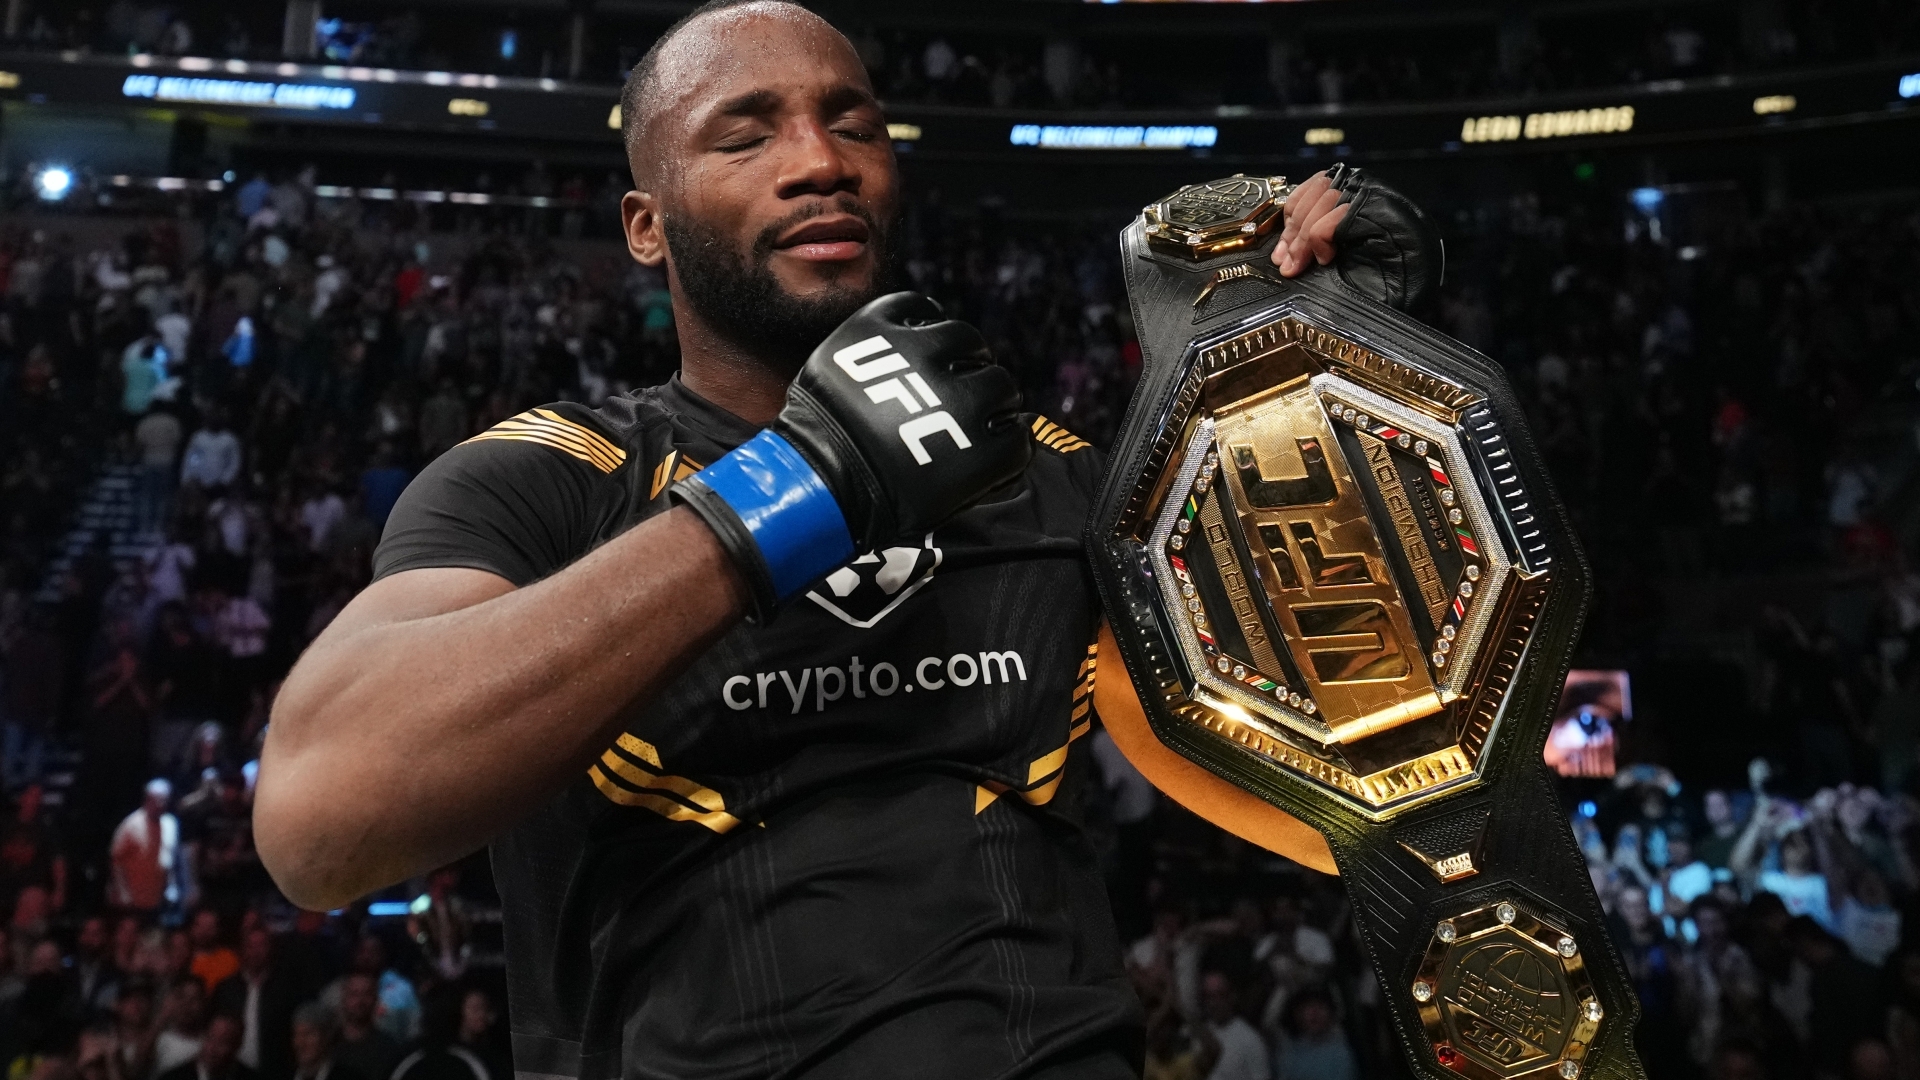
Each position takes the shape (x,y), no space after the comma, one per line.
(639,214)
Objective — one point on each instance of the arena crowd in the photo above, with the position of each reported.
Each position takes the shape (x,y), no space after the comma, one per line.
(206,416)
(1340,62)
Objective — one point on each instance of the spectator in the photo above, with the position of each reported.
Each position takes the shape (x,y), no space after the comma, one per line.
(1684,878)
(382,483)
(1312,1046)
(218,1058)
(120,707)
(212,461)
(482,1035)
(1243,1054)
(1723,826)
(1168,959)
(168,566)
(181,1026)
(364,1047)
(143,367)
(157,437)
(1798,881)
(443,421)
(240,628)
(213,962)
(96,980)
(439,1054)
(1845,994)
(29,857)
(145,848)
(314,1034)
(217,829)
(252,196)
(1175,1049)
(1296,955)
(35,671)
(133,1028)
(262,998)
(319,515)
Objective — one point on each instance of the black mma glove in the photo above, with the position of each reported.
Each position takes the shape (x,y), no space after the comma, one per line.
(898,421)
(1385,247)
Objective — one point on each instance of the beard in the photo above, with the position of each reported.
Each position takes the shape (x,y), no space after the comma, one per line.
(737,294)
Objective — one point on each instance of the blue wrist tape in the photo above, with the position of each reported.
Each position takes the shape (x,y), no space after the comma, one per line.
(785,507)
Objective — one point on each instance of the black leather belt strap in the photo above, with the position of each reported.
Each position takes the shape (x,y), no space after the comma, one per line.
(1340,580)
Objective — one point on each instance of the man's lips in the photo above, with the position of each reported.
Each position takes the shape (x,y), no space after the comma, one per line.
(834,238)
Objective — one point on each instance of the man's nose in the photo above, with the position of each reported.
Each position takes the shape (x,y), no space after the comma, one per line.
(815,163)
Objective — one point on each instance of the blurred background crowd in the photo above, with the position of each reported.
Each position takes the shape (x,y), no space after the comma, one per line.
(208,417)
(211,399)
(990,64)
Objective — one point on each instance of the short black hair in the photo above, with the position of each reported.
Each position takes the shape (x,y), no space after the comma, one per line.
(640,78)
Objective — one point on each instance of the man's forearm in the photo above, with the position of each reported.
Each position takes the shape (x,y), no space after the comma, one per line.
(421,723)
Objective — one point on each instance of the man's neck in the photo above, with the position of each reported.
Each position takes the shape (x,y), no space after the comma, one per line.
(726,374)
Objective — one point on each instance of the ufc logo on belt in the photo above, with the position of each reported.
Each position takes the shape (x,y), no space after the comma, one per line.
(854,361)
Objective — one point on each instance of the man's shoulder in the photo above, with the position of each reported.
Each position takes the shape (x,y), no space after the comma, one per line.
(560,431)
(1056,438)
(1062,461)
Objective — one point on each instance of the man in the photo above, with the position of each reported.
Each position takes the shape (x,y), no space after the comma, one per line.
(182,1025)
(218,1058)
(212,460)
(144,848)
(394,1006)
(157,439)
(798,848)
(96,980)
(133,1033)
(1243,1053)
(263,1000)
(214,962)
(363,1047)
(314,1032)
(29,850)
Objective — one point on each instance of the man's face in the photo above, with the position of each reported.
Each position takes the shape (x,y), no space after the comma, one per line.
(309,1044)
(92,940)
(133,1010)
(369,956)
(1719,808)
(768,175)
(206,929)
(256,951)
(357,999)
(221,1044)
(186,1004)
(1217,997)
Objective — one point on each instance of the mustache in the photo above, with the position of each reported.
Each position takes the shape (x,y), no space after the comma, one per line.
(841,203)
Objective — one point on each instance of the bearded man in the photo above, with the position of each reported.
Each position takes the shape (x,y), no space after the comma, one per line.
(762,683)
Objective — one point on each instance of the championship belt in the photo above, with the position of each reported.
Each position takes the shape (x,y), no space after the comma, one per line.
(1340,581)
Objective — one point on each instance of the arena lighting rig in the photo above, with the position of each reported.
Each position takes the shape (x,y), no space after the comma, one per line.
(555,110)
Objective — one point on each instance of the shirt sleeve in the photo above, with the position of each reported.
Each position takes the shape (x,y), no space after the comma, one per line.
(516,508)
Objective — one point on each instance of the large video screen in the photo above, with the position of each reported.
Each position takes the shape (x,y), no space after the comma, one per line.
(1593,705)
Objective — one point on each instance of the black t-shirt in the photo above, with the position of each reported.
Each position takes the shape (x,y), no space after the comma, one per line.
(838,844)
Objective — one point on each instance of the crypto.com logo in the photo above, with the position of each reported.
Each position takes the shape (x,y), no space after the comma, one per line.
(867,589)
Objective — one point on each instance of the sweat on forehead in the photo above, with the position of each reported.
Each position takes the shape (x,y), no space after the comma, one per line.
(695,43)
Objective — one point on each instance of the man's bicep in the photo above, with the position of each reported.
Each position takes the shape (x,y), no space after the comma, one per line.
(414,594)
